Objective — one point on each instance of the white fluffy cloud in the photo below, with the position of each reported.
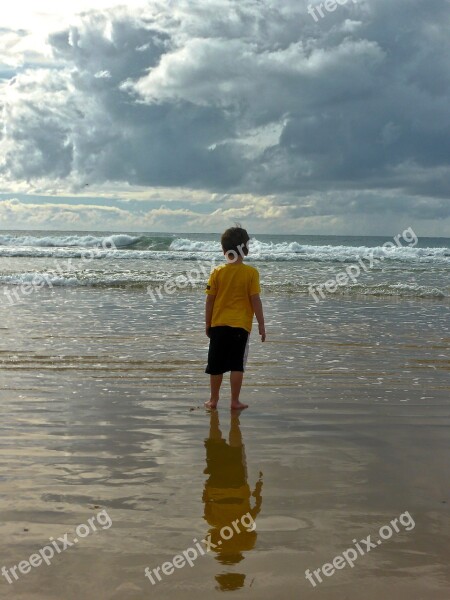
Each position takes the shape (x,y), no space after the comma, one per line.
(331,120)
(17,214)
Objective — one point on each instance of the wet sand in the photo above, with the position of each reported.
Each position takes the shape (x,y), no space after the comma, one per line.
(348,427)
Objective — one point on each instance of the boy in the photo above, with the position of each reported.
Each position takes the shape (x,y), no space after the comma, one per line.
(232,300)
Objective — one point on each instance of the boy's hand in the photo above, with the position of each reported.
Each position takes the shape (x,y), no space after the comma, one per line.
(207,328)
(262,332)
(259,314)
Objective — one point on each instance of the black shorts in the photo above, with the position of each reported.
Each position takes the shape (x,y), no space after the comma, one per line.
(228,348)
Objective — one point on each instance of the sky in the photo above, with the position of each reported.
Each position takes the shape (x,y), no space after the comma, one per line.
(190,115)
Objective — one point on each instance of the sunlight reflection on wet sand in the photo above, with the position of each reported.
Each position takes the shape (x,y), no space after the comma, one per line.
(347,428)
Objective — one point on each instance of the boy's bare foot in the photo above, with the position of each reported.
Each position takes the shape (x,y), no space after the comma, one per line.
(211,404)
(238,406)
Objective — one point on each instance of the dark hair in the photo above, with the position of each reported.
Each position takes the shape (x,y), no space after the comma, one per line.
(235,240)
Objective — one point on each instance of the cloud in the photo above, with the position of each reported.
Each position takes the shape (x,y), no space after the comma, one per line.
(14,214)
(241,98)
(157,215)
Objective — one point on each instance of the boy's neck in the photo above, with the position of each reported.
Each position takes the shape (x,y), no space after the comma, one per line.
(238,261)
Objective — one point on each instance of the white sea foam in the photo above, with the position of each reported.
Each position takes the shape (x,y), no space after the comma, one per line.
(120,240)
(124,246)
(130,280)
(401,290)
(271,251)
(39,280)
(187,245)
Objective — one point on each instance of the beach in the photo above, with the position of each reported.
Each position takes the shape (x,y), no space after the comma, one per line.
(102,394)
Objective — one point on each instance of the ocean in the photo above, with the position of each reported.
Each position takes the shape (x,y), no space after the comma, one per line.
(413,268)
(102,388)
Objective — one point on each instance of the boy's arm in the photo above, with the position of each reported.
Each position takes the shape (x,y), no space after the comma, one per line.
(258,496)
(259,314)
(210,299)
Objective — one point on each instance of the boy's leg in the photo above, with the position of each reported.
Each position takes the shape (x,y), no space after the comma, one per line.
(236,378)
(215,383)
(214,426)
(235,435)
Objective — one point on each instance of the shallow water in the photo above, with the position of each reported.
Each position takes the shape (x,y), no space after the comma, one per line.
(347,429)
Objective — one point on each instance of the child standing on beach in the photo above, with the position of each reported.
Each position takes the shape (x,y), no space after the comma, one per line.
(232,300)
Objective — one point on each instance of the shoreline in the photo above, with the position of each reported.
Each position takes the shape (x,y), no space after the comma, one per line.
(347,428)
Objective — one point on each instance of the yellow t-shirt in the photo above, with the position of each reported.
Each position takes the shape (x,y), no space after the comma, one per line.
(232,284)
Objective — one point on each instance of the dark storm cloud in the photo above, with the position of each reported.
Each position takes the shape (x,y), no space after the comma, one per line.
(249,97)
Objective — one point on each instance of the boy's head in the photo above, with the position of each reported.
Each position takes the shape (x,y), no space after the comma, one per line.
(234,242)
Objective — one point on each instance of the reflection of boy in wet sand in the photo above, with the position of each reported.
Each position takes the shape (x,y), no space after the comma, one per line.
(227,494)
